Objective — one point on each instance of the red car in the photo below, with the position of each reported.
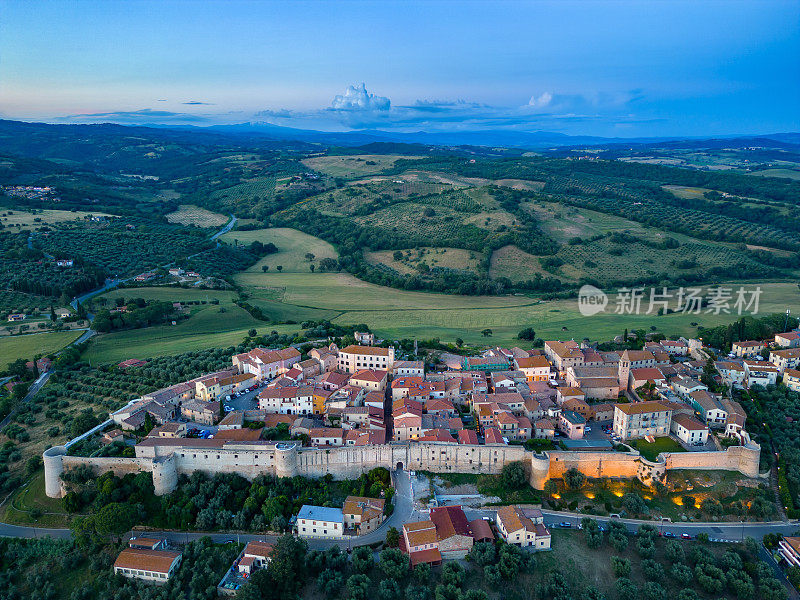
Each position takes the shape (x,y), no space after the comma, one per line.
(686,536)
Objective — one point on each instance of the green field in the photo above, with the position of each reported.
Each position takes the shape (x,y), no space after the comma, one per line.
(659,445)
(293,246)
(788,173)
(353,166)
(189,214)
(26,346)
(398,313)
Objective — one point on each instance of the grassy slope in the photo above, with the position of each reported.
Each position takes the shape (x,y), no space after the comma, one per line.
(26,346)
(293,246)
(189,214)
(26,218)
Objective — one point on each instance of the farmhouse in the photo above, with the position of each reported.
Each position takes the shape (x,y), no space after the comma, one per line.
(523,527)
(320,521)
(266,364)
(255,556)
(147,565)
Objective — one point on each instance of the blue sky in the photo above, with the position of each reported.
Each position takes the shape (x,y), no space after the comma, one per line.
(591,67)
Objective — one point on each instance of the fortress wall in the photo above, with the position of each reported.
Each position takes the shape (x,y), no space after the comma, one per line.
(744,459)
(289,460)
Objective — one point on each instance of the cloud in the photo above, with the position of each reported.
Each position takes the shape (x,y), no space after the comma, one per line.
(197,102)
(543,100)
(357,98)
(145,115)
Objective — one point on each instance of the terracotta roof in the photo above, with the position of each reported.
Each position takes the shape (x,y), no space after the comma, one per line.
(420,532)
(647,374)
(531,362)
(492,435)
(239,435)
(544,424)
(688,422)
(514,519)
(791,373)
(481,530)
(467,436)
(327,432)
(257,548)
(369,375)
(140,559)
(641,407)
(425,556)
(367,508)
(450,521)
(437,435)
(371,350)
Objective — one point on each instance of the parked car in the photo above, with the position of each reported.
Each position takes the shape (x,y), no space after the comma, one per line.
(686,536)
(669,534)
(565,524)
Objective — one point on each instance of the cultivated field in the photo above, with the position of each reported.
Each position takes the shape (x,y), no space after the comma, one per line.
(788,173)
(189,214)
(293,246)
(353,166)
(36,219)
(26,346)
(445,258)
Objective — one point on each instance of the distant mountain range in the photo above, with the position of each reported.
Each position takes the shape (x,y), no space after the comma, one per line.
(501,138)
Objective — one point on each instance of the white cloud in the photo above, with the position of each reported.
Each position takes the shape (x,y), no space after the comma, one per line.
(357,98)
(542,101)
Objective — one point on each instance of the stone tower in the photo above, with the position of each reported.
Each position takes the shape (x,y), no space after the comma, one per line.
(165,475)
(286,460)
(53,459)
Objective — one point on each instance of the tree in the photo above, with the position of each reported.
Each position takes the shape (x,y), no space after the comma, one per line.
(453,574)
(527,334)
(311,267)
(357,587)
(279,267)
(309,256)
(116,518)
(674,552)
(362,559)
(389,590)
(393,563)
(550,487)
(771,589)
(486,332)
(592,593)
(513,475)
(687,594)
(574,479)
(618,540)
(620,566)
(653,591)
(417,592)
(592,533)
(422,573)
(634,504)
(492,575)
(626,589)
(252,333)
(646,547)
(264,268)
(447,592)
(652,570)
(459,342)
(392,538)
(482,554)
(287,565)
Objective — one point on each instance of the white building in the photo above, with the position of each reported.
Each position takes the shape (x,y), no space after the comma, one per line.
(785,359)
(791,379)
(266,364)
(148,565)
(355,358)
(641,419)
(760,372)
(409,368)
(790,339)
(320,521)
(690,431)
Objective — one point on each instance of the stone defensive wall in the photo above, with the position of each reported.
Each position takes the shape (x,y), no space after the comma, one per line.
(170,458)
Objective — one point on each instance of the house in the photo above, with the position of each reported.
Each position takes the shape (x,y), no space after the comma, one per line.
(420,542)
(255,556)
(172,429)
(146,543)
(147,565)
(689,430)
(365,437)
(375,400)
(535,368)
(176,271)
(452,531)
(641,419)
(333,380)
(467,436)
(759,372)
(732,373)
(785,359)
(131,362)
(266,364)
(579,406)
(684,386)
(564,355)
(320,521)
(603,412)
(565,393)
(492,436)
(355,358)
(16,317)
(363,515)
(64,262)
(675,348)
(791,379)
(522,527)
(205,413)
(364,337)
(309,368)
(369,379)
(644,375)
(544,429)
(789,549)
(327,436)
(790,339)
(708,407)
(409,368)
(747,349)
(735,421)
(572,424)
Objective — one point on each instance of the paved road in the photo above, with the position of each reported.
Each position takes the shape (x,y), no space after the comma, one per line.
(225,229)
(35,387)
